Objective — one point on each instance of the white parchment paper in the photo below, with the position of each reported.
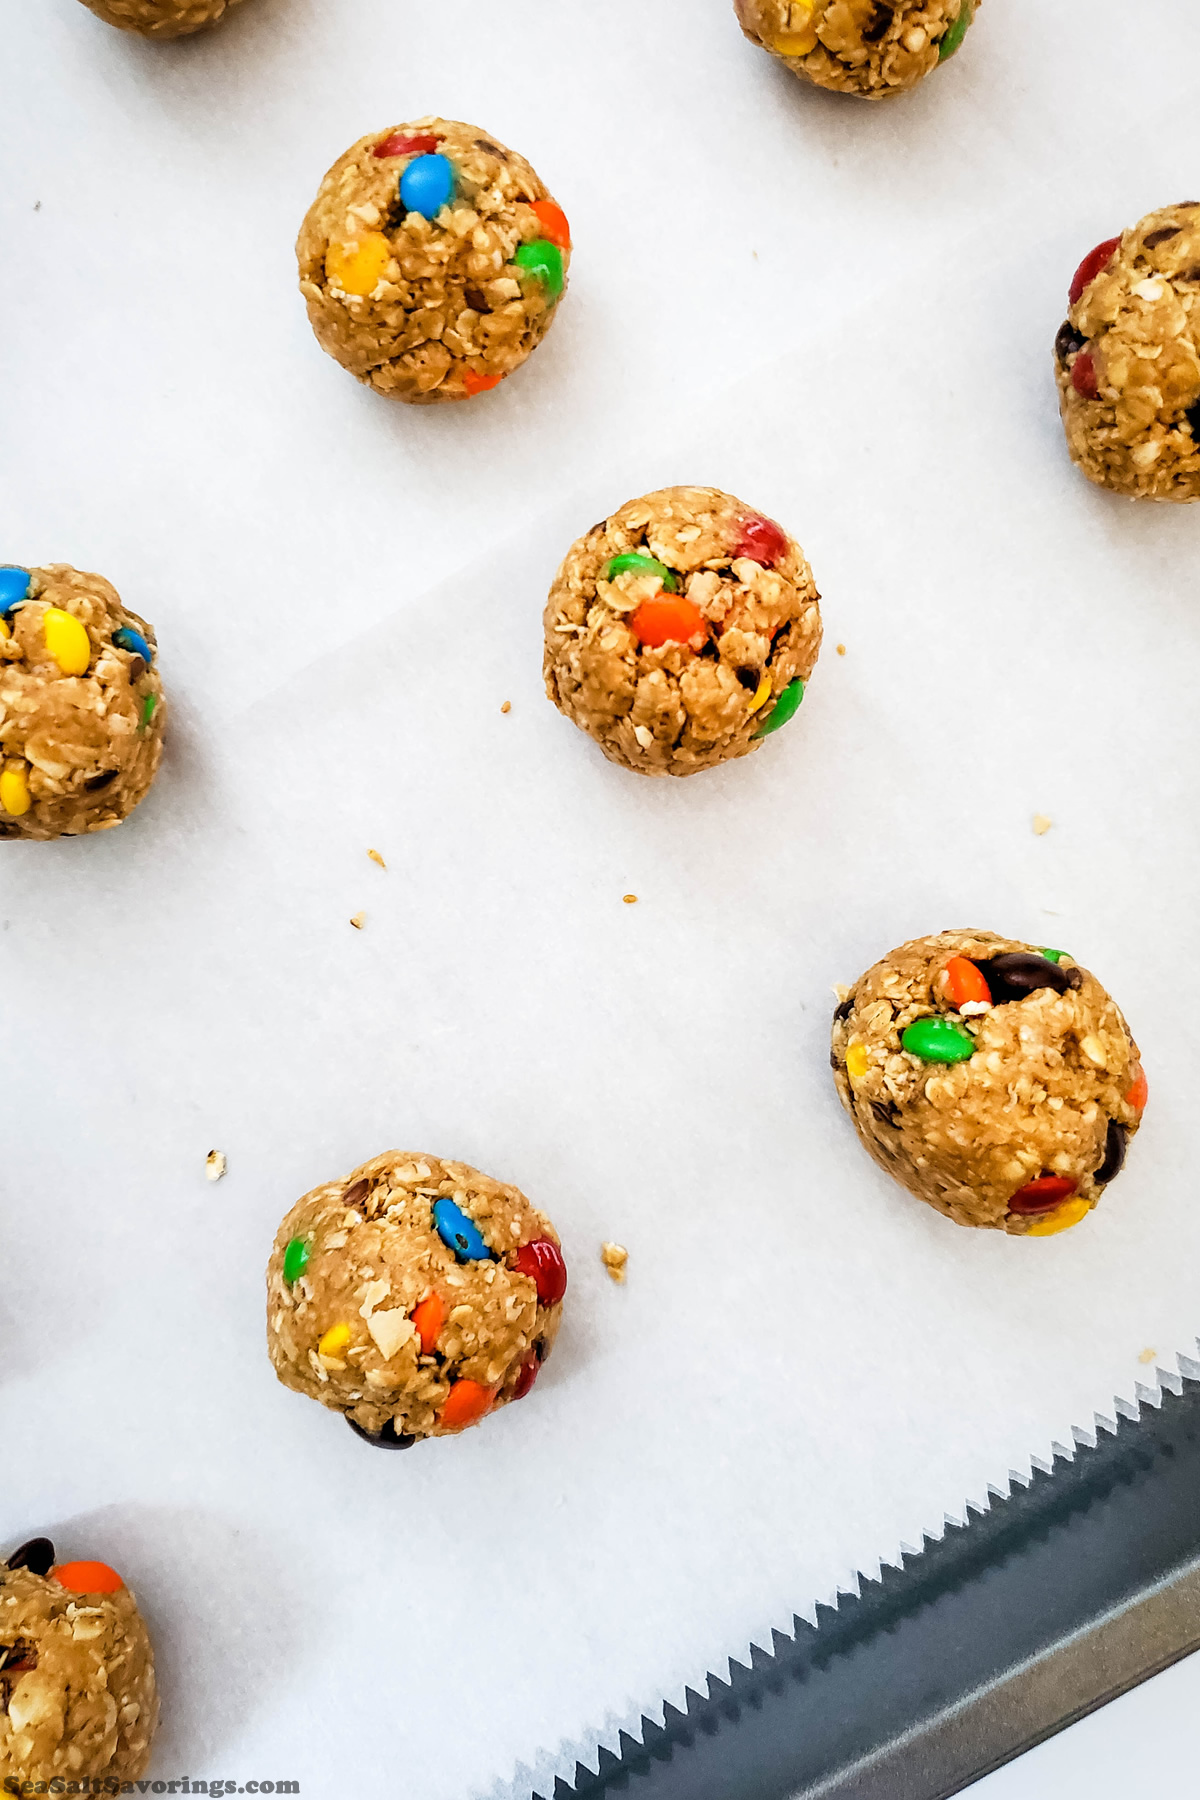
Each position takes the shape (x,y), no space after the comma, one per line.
(845,316)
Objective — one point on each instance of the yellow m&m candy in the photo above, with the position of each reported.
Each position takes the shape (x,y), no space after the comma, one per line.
(15,797)
(1061,1219)
(67,641)
(358,268)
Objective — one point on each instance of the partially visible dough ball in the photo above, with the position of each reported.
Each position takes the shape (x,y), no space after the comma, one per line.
(432,261)
(1127,359)
(81,704)
(160,18)
(77,1692)
(872,48)
(994,1079)
(414,1297)
(681,631)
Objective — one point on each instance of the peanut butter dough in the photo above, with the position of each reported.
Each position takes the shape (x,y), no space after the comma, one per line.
(160,18)
(681,631)
(871,48)
(81,706)
(414,1296)
(77,1693)
(1127,359)
(432,261)
(996,1080)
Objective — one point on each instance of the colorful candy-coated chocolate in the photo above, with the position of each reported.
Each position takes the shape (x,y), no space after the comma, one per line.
(358,268)
(295,1259)
(666,619)
(5,629)
(761,694)
(458,1232)
(67,640)
(334,1341)
(1054,956)
(15,797)
(149,707)
(427,185)
(1116,1143)
(429,1317)
(1139,1092)
(1061,1219)
(14,587)
(938,1040)
(553,221)
(1019,973)
(126,638)
(544,262)
(399,143)
(1092,265)
(965,982)
(762,541)
(479,384)
(465,1404)
(957,32)
(37,1556)
(542,1261)
(88,1578)
(857,1061)
(1042,1195)
(785,708)
(527,1376)
(1083,376)
(634,563)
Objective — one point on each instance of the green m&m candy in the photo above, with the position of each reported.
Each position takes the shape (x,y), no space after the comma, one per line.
(633,563)
(544,262)
(957,31)
(938,1040)
(295,1260)
(785,708)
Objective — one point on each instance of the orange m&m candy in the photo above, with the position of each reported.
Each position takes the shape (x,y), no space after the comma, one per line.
(466,1403)
(1139,1093)
(553,221)
(479,384)
(965,982)
(666,619)
(88,1577)
(429,1317)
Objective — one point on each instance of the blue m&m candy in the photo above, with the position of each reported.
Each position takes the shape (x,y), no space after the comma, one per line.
(126,638)
(458,1232)
(14,587)
(427,185)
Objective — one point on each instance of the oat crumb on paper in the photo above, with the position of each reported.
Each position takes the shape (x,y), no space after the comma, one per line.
(629,899)
(358,920)
(1148,1356)
(215,1165)
(376,858)
(841,649)
(1041,824)
(614,1257)
(507,707)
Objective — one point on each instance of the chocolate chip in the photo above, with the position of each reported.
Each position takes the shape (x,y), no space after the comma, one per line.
(879,21)
(356,1193)
(1068,341)
(886,1111)
(492,149)
(540,1350)
(476,299)
(1115,1146)
(844,1008)
(1190,274)
(1155,238)
(834,1064)
(137,668)
(95,782)
(387,1439)
(601,526)
(1022,972)
(749,679)
(1192,415)
(37,1556)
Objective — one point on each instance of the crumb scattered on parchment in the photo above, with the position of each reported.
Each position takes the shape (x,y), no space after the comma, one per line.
(1041,824)
(841,649)
(841,990)
(629,899)
(214,1165)
(376,858)
(358,920)
(614,1257)
(1147,1356)
(507,707)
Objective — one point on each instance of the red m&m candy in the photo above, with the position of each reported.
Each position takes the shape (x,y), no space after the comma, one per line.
(1042,1195)
(1093,263)
(762,541)
(543,1262)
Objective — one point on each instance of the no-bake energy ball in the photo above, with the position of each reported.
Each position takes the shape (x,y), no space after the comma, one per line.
(681,631)
(872,48)
(432,261)
(77,1694)
(415,1296)
(81,706)
(994,1079)
(1128,359)
(160,18)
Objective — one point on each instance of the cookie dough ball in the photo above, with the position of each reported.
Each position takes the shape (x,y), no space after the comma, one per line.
(1127,359)
(414,1297)
(681,631)
(872,48)
(77,1693)
(432,261)
(160,18)
(996,1080)
(81,707)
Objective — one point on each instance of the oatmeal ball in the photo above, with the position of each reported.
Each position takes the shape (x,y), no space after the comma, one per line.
(160,18)
(996,1080)
(414,1297)
(81,707)
(681,631)
(872,48)
(1127,359)
(77,1693)
(432,261)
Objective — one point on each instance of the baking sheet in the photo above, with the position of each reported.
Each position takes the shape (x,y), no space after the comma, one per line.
(805,1369)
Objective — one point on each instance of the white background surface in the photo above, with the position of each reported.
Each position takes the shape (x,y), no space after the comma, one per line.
(842,314)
